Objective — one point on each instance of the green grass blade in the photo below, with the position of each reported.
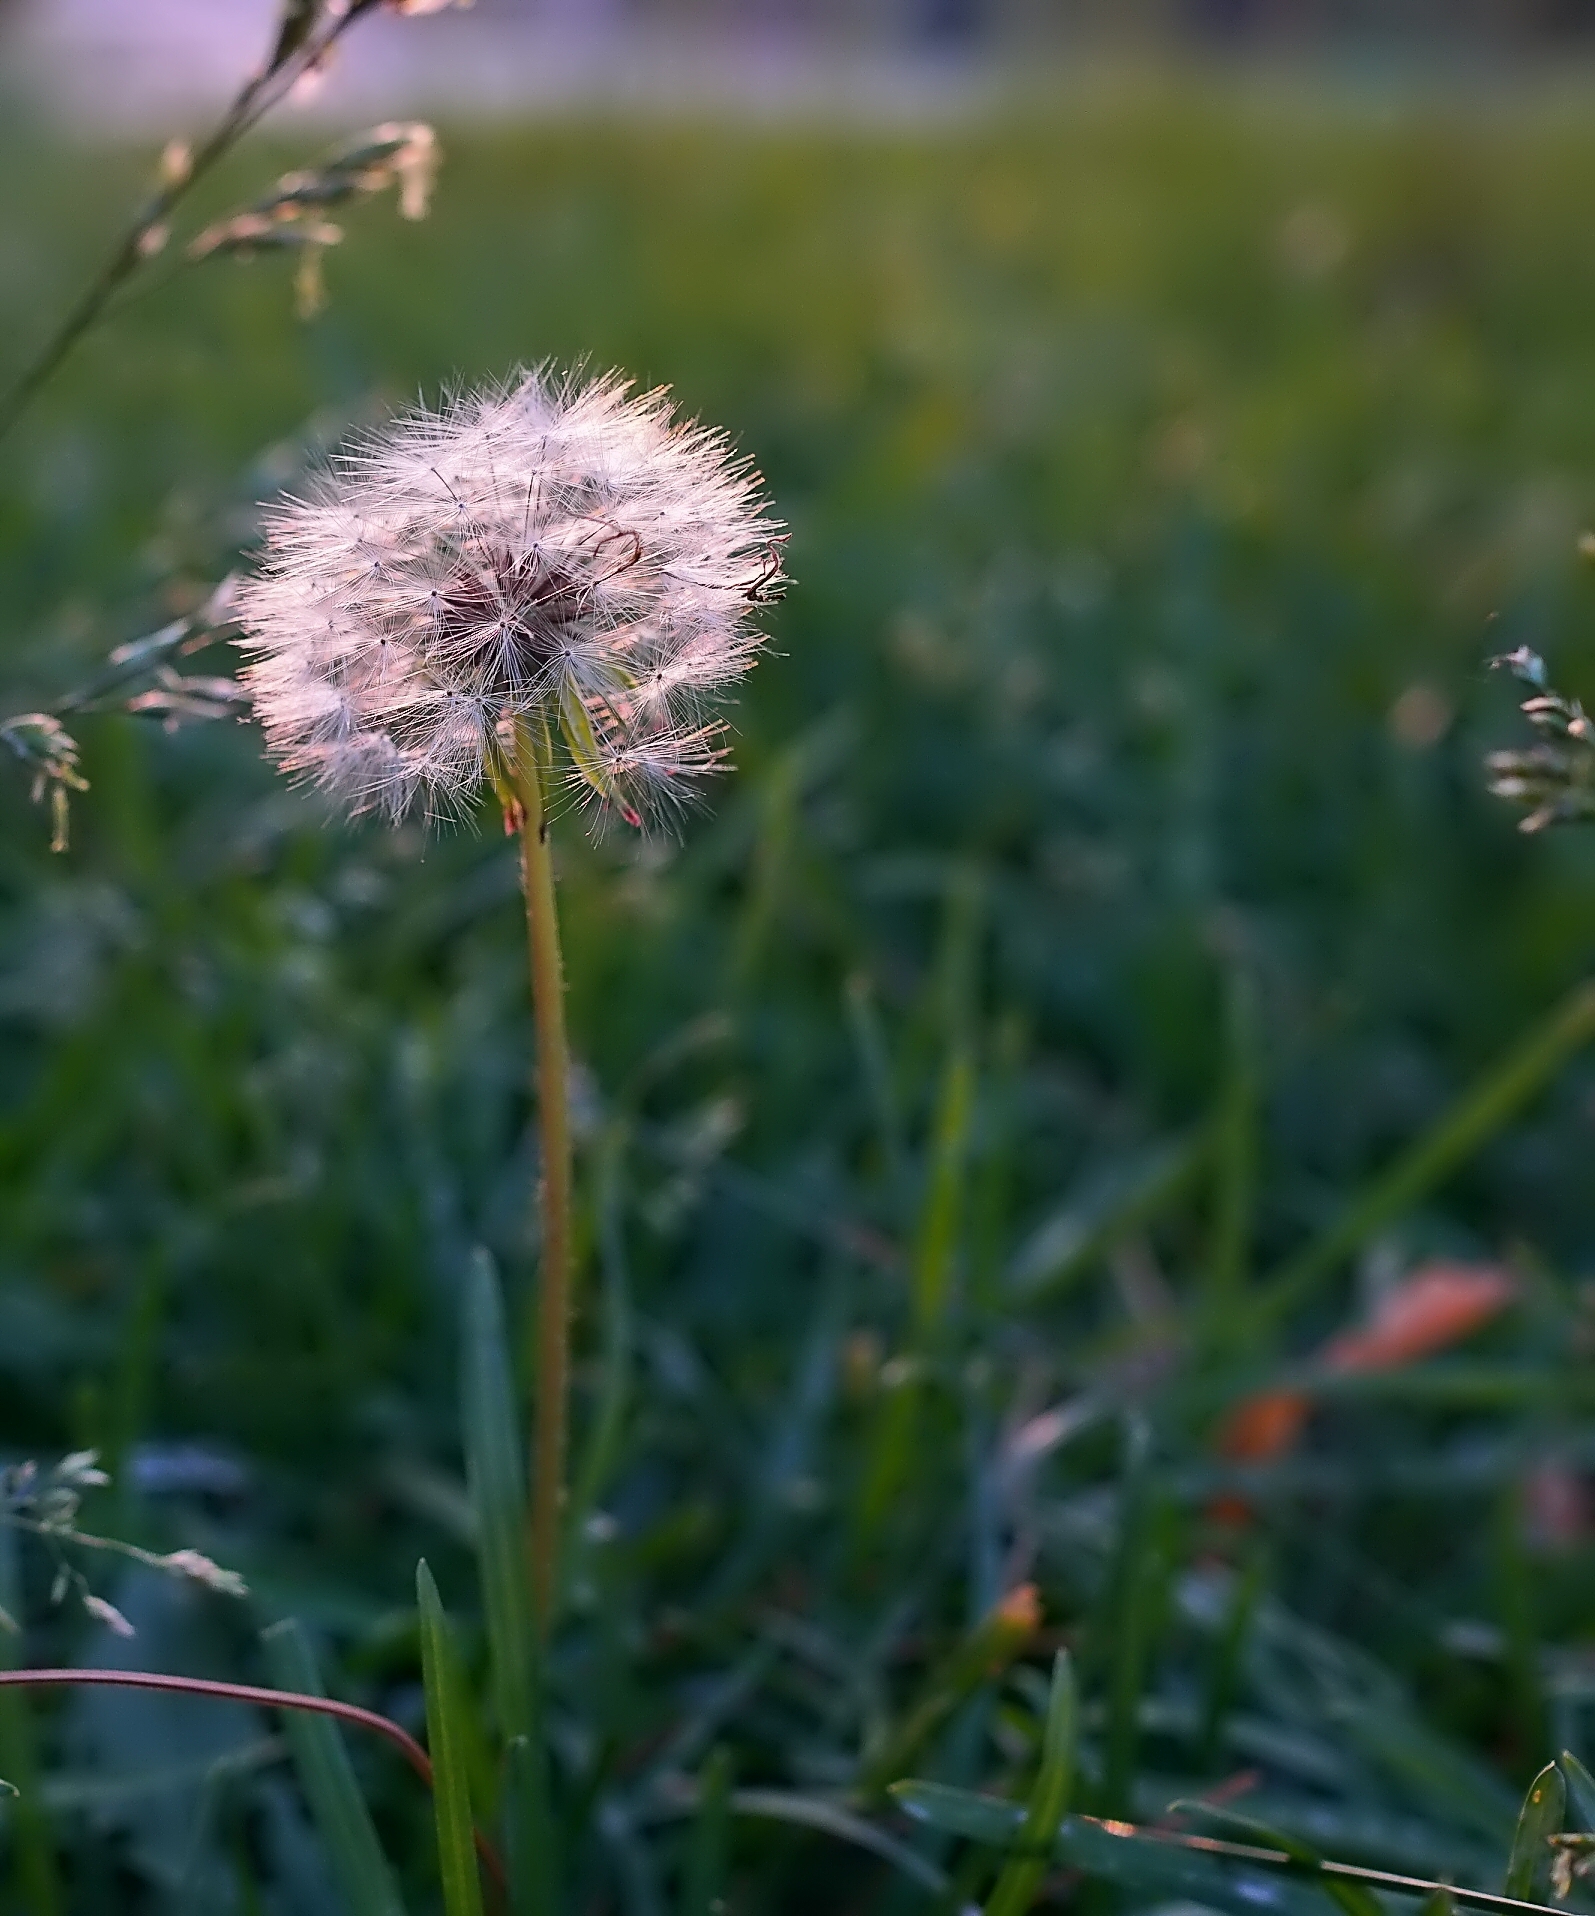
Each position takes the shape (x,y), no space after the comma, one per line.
(1474,1118)
(808,1812)
(1235,1139)
(1224,1669)
(1539,1819)
(1127,1619)
(704,1881)
(1139,1864)
(941,1220)
(359,1867)
(874,1056)
(529,1830)
(447,1741)
(497,1483)
(1108,1206)
(1021,1877)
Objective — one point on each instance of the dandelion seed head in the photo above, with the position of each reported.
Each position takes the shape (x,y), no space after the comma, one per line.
(565,551)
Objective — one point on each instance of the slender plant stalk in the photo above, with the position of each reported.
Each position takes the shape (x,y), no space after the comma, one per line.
(552,1357)
(352,1713)
(291,58)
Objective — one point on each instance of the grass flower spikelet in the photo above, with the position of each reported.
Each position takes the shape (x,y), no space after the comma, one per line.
(570,553)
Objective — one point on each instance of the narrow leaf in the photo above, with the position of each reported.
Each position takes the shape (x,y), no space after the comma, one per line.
(808,1812)
(1104,1210)
(529,1830)
(1353,1898)
(708,1858)
(447,1740)
(941,1220)
(1142,1865)
(1021,1876)
(1539,1819)
(1475,1117)
(327,1777)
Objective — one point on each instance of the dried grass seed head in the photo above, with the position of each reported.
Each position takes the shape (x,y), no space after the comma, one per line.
(569,553)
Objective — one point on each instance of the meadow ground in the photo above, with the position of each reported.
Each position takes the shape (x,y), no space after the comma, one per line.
(1105,897)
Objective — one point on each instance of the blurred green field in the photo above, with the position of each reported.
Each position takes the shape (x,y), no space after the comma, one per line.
(1162,466)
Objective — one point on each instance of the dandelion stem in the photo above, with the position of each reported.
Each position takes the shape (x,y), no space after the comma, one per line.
(552,1358)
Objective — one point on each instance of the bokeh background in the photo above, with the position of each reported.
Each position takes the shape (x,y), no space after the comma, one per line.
(1174,408)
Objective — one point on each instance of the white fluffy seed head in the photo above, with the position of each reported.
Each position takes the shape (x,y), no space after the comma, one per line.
(565,552)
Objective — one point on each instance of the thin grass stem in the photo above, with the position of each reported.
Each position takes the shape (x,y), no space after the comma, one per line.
(382,1726)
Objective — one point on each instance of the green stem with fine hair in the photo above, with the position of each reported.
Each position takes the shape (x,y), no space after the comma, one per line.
(530,771)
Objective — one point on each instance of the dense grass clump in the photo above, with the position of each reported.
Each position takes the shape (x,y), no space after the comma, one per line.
(999,1089)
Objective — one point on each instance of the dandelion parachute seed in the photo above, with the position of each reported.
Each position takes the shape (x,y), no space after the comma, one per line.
(569,553)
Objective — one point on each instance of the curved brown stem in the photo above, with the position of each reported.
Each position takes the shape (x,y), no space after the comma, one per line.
(379,1725)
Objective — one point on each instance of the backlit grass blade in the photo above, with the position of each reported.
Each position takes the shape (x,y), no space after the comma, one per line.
(447,1743)
(1538,1821)
(359,1867)
(1021,1877)
(1474,1118)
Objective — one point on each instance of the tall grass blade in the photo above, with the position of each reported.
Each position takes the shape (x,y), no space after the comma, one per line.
(528,1822)
(809,1812)
(1021,1877)
(708,1858)
(1126,1620)
(1106,1208)
(1234,1159)
(448,1741)
(1539,1819)
(359,1867)
(1475,1117)
(869,1041)
(941,1219)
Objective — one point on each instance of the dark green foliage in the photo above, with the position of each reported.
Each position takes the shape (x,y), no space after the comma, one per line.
(1104,971)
